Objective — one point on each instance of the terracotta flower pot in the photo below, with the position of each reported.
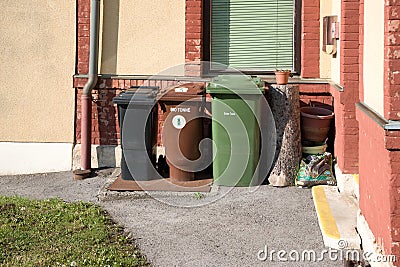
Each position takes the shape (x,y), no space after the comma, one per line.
(315,123)
(282,77)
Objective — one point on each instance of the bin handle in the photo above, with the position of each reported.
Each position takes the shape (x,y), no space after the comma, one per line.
(163,107)
(203,107)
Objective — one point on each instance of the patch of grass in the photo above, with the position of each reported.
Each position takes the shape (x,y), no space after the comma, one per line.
(198,195)
(56,233)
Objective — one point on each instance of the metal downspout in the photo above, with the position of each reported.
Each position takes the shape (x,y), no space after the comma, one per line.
(86,98)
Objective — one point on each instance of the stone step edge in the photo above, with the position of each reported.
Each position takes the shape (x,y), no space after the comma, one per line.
(332,236)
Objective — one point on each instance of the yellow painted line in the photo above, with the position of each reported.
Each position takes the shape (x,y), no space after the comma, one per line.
(356,178)
(326,219)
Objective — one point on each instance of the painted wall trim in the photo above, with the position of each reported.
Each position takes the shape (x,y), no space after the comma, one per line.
(101,156)
(28,158)
(145,77)
(336,86)
(268,78)
(389,125)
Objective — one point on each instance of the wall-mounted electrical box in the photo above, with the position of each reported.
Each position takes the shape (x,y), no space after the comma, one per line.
(330,34)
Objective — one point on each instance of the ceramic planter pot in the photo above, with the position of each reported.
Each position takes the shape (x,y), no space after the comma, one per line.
(315,123)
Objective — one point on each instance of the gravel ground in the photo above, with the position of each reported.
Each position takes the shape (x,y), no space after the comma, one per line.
(230,231)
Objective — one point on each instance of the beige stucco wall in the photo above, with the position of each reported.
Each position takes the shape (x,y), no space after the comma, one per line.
(37,42)
(329,64)
(335,61)
(374,55)
(325,59)
(142,37)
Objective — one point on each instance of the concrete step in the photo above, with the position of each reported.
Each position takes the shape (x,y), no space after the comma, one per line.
(356,186)
(347,183)
(337,217)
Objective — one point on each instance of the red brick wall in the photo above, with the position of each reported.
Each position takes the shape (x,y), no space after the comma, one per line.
(316,95)
(310,47)
(105,125)
(380,182)
(83,31)
(374,199)
(394,159)
(193,37)
(392,62)
(392,143)
(317,100)
(346,140)
(105,129)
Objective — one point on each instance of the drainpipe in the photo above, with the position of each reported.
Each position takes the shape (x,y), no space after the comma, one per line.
(86,98)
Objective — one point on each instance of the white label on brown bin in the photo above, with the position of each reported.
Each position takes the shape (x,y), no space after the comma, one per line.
(178,121)
(181,89)
(180,110)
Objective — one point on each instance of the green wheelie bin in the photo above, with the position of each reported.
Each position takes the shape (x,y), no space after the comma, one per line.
(236,113)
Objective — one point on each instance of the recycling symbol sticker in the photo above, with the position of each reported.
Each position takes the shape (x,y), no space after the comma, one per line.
(178,121)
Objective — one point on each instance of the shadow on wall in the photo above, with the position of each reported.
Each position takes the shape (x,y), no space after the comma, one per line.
(107,121)
(106,156)
(109,41)
(107,128)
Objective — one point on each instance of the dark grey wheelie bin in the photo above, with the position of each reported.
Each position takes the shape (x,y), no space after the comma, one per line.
(138,127)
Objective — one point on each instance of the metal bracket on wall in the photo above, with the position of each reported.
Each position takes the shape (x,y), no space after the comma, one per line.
(392,125)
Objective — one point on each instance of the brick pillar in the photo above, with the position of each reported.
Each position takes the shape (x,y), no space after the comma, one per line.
(361,51)
(83,28)
(346,141)
(392,60)
(394,178)
(310,47)
(392,112)
(193,37)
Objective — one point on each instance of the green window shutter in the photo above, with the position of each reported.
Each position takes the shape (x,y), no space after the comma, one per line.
(253,34)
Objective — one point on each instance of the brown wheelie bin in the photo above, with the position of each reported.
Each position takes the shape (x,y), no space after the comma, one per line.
(183,108)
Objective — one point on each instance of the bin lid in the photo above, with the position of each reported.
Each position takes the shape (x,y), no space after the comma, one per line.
(144,88)
(236,84)
(183,92)
(145,95)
